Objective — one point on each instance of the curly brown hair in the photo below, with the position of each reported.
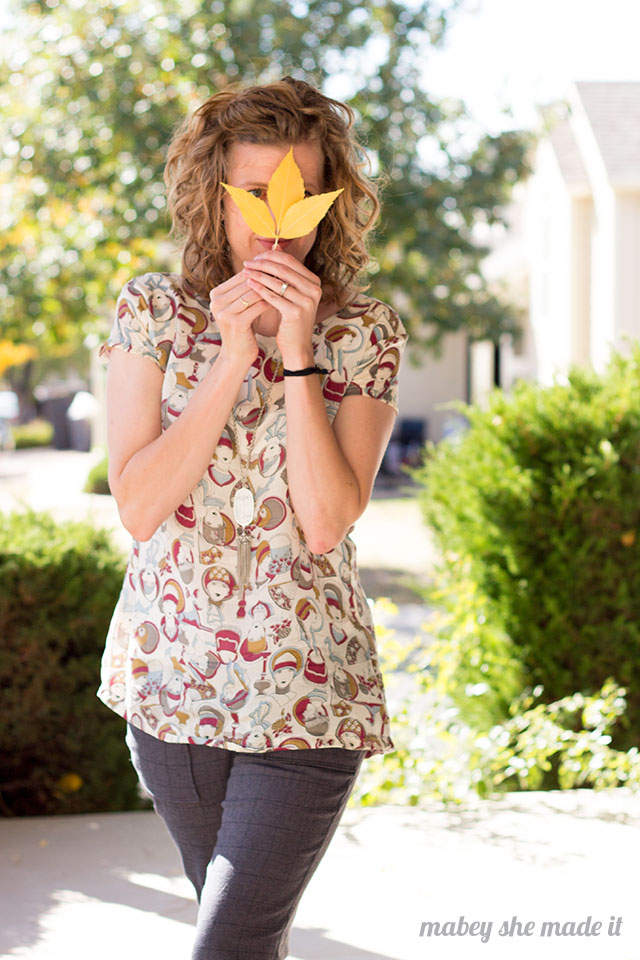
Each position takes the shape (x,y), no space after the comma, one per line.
(288,111)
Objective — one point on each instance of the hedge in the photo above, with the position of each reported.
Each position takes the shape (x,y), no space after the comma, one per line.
(61,750)
(540,499)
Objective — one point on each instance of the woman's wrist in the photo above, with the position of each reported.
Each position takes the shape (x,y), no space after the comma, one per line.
(232,364)
(298,359)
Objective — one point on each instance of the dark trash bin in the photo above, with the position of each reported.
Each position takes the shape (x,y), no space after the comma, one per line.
(407,440)
(80,416)
(413,432)
(54,409)
(53,400)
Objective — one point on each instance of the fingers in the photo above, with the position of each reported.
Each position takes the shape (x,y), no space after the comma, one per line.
(282,264)
(261,283)
(236,298)
(273,299)
(248,314)
(297,289)
(293,303)
(272,268)
(227,286)
(274,275)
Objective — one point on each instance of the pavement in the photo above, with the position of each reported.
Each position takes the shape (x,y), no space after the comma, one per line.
(476,880)
(110,885)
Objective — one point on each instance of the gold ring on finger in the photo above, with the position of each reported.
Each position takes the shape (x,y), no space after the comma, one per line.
(283,289)
(244,302)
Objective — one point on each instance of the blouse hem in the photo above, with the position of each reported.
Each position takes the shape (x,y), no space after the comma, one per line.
(387,744)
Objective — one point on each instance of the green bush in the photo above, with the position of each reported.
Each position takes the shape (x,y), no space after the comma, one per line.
(36,433)
(61,749)
(471,659)
(97,480)
(442,756)
(541,498)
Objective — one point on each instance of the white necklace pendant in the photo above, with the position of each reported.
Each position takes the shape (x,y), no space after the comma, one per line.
(243,507)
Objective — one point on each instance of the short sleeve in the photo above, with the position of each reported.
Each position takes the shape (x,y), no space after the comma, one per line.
(133,325)
(375,372)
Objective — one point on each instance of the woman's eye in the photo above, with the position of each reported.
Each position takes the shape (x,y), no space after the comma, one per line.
(261,192)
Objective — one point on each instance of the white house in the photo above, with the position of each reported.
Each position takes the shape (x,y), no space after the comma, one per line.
(569,256)
(578,232)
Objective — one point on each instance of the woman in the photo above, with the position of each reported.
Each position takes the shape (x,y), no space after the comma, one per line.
(250,402)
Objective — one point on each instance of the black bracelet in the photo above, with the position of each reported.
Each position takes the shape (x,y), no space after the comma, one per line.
(303,373)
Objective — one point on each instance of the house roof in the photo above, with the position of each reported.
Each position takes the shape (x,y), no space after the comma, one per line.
(566,150)
(612,111)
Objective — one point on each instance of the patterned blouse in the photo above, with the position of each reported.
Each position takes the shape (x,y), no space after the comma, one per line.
(289,662)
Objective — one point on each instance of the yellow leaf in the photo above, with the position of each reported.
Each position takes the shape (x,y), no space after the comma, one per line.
(70,782)
(302,217)
(286,187)
(254,210)
(292,213)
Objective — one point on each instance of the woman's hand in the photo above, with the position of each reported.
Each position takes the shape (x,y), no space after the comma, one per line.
(234,307)
(297,305)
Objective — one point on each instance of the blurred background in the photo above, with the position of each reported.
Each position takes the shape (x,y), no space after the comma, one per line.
(506,128)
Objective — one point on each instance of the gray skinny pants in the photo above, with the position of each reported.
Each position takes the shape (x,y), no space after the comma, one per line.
(251,828)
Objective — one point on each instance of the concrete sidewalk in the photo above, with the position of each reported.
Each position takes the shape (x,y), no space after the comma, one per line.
(110,885)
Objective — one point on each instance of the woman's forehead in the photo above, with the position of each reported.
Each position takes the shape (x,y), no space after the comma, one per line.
(256,162)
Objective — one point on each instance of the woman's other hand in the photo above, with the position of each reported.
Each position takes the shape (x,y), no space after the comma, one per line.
(297,305)
(234,307)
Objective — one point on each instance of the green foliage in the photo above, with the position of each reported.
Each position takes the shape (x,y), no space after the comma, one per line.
(541,499)
(98,479)
(536,513)
(471,659)
(82,172)
(36,433)
(564,744)
(61,749)
(440,756)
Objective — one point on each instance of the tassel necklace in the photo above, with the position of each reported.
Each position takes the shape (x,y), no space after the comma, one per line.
(243,502)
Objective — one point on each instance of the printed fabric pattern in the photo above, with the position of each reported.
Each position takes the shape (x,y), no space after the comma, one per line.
(290,662)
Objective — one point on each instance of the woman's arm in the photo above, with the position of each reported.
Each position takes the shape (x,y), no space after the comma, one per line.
(331,470)
(151,471)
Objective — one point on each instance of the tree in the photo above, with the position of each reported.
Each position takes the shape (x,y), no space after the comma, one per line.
(90,94)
